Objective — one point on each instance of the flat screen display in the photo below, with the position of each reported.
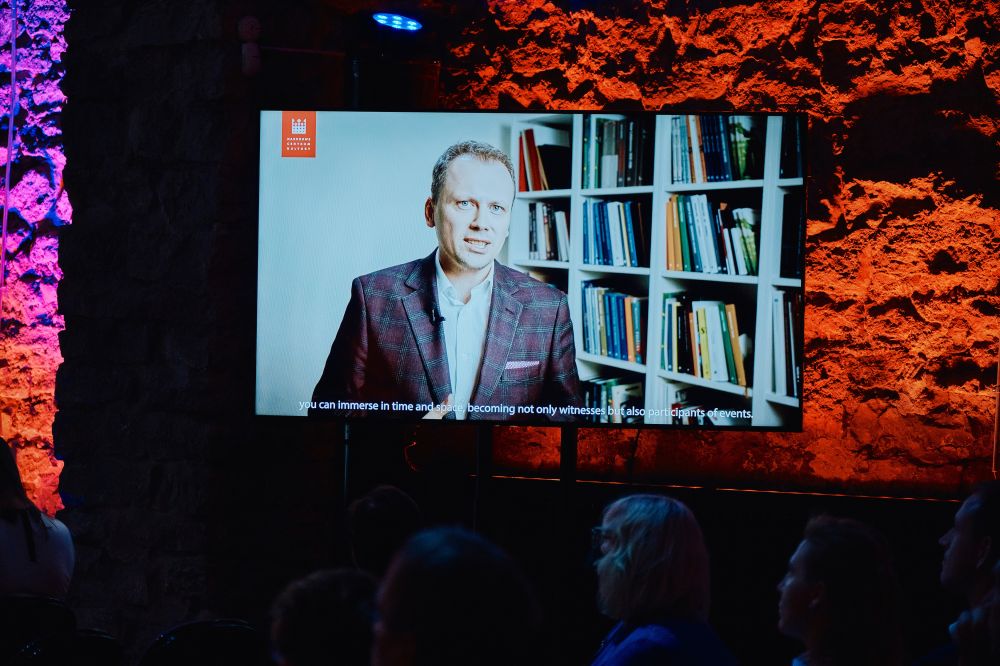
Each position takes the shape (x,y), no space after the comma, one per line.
(596,268)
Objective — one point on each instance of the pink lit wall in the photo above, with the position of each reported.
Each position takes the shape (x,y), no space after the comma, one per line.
(38,207)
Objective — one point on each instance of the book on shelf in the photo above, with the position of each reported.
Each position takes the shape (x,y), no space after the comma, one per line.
(617,152)
(614,234)
(597,398)
(614,323)
(793,130)
(543,159)
(677,354)
(738,351)
(792,234)
(702,338)
(710,148)
(708,237)
(794,361)
(786,336)
(522,167)
(687,407)
(548,232)
(694,405)
(626,399)
(779,343)
(562,236)
(619,399)
(607,167)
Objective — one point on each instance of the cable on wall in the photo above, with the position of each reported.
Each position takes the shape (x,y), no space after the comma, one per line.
(10,151)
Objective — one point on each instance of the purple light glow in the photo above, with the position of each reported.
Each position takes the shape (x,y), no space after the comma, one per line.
(29,321)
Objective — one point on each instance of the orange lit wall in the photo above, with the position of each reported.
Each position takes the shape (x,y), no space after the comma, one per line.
(903,275)
(38,207)
(904,262)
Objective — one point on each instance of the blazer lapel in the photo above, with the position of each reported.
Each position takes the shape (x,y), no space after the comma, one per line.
(505,311)
(419,304)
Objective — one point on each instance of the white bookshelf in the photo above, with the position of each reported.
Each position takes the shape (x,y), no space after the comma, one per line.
(752,294)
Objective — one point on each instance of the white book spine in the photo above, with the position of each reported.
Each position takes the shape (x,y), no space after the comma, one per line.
(706,219)
(716,346)
(609,171)
(695,144)
(796,390)
(562,235)
(730,257)
(615,224)
(778,346)
(704,235)
(736,237)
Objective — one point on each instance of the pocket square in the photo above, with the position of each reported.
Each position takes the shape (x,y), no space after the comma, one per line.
(517,365)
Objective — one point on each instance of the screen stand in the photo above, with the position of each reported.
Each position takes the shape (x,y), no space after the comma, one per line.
(484,470)
(567,459)
(567,484)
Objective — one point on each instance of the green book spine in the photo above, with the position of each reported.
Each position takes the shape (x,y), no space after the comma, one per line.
(682,223)
(727,345)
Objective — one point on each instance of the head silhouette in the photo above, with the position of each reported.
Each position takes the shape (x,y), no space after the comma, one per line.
(451,598)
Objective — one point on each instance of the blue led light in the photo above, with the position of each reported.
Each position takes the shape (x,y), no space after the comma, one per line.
(397,22)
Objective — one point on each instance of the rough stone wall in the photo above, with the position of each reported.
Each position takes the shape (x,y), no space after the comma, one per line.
(903,272)
(181,504)
(177,498)
(145,130)
(38,207)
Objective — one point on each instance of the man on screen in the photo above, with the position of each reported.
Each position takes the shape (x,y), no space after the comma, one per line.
(456,329)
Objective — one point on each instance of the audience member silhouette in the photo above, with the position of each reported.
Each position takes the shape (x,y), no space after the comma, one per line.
(325,619)
(993,618)
(972,552)
(653,578)
(37,551)
(972,545)
(839,596)
(379,523)
(450,598)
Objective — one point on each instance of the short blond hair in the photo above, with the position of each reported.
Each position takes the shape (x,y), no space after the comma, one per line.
(477,149)
(657,563)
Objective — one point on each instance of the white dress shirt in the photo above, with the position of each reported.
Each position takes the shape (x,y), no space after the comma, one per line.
(464,334)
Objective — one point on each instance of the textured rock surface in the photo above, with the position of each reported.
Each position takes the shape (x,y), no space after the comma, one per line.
(181,504)
(38,207)
(143,129)
(174,493)
(903,223)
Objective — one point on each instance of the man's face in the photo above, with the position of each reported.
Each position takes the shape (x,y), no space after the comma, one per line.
(963,550)
(797,597)
(472,214)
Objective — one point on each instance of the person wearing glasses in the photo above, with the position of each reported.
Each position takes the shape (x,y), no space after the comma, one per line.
(653,578)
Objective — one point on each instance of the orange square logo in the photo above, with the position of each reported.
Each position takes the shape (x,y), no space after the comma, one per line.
(298,134)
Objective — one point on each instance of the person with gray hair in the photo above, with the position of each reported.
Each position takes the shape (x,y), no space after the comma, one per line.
(456,331)
(653,577)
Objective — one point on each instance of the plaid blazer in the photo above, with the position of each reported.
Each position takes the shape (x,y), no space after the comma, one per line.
(390,346)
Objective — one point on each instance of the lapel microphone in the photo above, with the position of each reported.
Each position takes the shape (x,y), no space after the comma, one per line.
(436,316)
